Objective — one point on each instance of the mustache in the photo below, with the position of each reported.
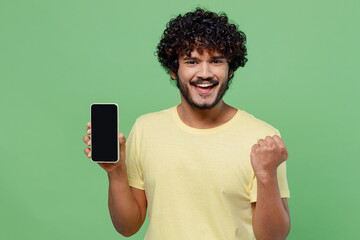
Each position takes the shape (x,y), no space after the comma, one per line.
(199,81)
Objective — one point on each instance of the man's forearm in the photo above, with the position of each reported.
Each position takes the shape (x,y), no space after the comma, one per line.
(124,210)
(271,220)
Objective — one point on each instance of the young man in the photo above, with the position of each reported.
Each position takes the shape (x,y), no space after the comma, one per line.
(202,169)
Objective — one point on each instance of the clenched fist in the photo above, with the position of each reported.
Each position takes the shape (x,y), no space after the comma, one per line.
(267,155)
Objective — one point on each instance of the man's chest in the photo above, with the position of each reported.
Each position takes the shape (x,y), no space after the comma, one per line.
(212,164)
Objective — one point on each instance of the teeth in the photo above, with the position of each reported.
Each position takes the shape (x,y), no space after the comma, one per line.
(204,85)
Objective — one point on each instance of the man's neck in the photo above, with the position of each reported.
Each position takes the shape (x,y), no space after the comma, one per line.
(207,118)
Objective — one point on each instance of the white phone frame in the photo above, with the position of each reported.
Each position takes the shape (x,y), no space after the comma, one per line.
(117,130)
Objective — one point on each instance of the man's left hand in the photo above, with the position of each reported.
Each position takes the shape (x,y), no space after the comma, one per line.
(267,155)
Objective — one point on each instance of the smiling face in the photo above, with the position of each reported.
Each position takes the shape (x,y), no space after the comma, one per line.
(202,78)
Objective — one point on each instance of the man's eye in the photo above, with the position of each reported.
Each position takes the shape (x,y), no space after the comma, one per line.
(217,61)
(190,62)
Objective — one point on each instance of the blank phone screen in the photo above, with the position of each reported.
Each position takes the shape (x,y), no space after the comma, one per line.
(104,132)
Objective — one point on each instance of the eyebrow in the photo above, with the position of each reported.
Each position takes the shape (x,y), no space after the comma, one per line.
(195,58)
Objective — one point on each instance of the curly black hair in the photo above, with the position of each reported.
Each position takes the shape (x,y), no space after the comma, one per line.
(201,30)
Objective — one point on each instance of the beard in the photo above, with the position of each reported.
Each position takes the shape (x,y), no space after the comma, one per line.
(184,90)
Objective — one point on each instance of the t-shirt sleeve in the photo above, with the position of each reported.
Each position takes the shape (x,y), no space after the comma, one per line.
(133,166)
(282,181)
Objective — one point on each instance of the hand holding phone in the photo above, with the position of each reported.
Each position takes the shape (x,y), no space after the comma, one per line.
(105,140)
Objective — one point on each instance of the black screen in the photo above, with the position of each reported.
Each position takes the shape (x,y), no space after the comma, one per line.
(104,133)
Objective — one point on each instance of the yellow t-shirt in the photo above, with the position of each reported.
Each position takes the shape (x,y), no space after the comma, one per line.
(199,183)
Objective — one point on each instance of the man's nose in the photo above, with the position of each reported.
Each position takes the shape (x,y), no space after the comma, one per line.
(205,71)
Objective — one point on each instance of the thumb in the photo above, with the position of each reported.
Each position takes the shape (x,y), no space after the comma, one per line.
(122,141)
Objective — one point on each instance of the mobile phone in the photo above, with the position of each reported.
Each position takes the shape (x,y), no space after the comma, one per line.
(104,132)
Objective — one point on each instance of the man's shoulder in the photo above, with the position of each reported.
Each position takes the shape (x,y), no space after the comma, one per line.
(157,117)
(255,123)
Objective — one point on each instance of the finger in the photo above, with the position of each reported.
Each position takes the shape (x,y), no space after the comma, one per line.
(255,147)
(281,145)
(122,143)
(88,131)
(88,124)
(86,139)
(262,142)
(278,141)
(87,152)
(270,140)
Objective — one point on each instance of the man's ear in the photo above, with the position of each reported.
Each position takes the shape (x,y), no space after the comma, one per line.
(231,73)
(173,75)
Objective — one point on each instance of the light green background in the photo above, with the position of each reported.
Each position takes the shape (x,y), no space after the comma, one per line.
(58,57)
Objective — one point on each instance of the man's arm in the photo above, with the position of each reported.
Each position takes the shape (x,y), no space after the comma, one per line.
(270,222)
(127,205)
(284,202)
(271,218)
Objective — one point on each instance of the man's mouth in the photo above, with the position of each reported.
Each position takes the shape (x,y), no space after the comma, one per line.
(205,87)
